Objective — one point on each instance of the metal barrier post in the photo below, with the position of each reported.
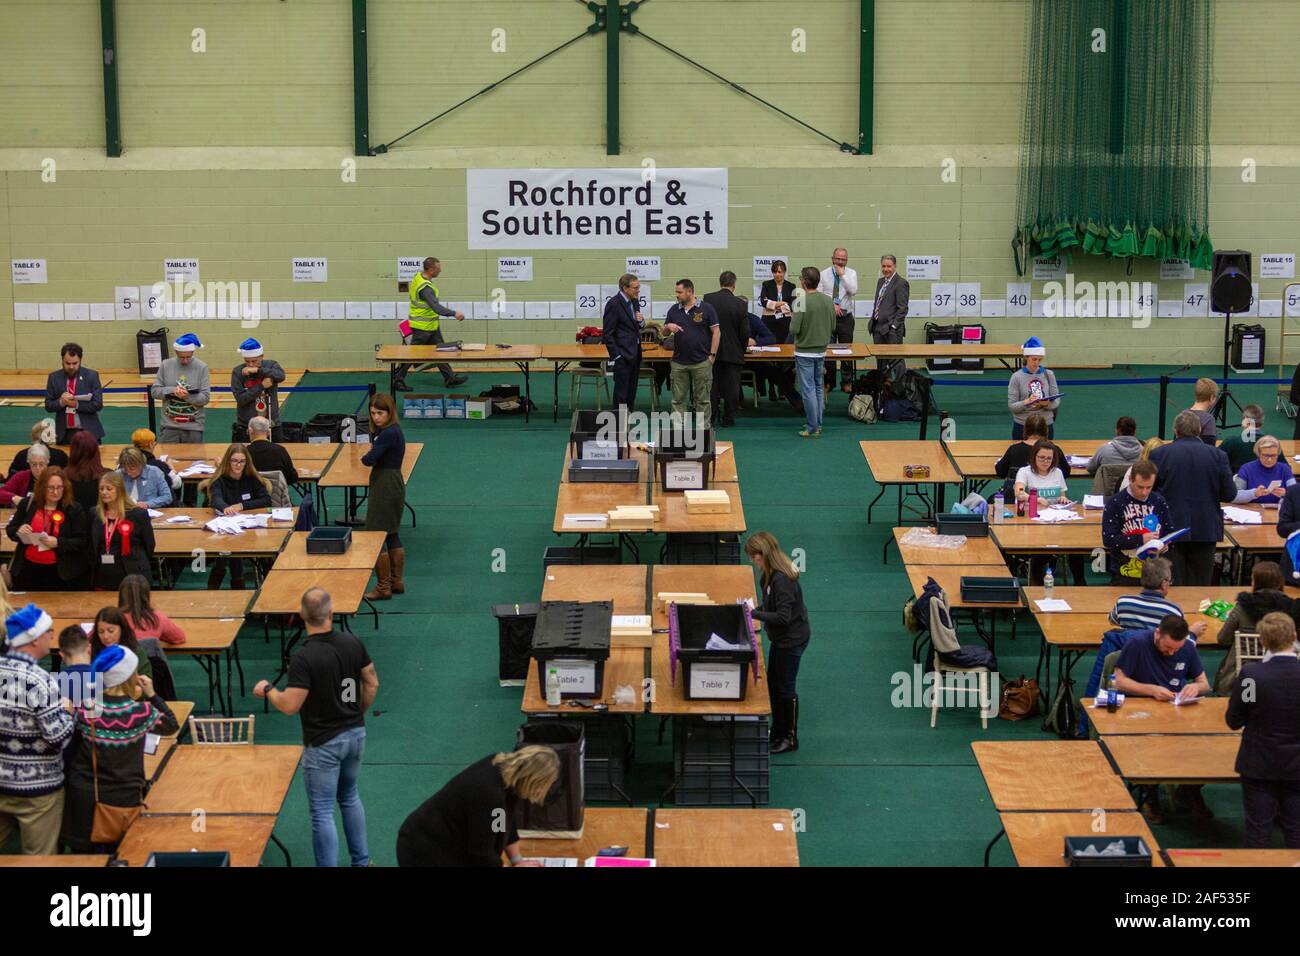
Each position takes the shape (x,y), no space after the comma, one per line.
(1164,395)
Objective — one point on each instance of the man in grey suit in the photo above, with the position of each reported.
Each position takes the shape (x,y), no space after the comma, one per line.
(889,314)
(75,396)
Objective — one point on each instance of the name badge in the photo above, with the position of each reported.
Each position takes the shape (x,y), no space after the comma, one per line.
(106,559)
(245,497)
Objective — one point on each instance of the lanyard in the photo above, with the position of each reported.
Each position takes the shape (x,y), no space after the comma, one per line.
(110,525)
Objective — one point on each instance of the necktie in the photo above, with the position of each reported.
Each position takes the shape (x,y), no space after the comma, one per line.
(72,412)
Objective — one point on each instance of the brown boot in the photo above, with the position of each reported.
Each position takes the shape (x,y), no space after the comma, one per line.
(398,556)
(383,581)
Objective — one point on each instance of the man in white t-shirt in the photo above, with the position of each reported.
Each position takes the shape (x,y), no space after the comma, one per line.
(840,283)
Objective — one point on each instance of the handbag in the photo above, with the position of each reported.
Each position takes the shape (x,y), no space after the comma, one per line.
(110,823)
(1019,699)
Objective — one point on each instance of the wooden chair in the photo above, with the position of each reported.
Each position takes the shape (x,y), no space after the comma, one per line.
(1248,648)
(749,377)
(589,372)
(222,731)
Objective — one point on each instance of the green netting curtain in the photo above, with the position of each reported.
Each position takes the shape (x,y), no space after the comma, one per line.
(1115,150)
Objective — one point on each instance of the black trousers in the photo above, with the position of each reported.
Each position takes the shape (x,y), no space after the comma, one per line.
(843,334)
(890,335)
(421,337)
(1193,563)
(1266,802)
(625,376)
(726,391)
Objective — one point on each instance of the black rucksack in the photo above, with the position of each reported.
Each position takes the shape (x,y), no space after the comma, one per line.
(1062,716)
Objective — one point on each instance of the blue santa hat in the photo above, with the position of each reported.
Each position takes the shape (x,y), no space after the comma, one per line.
(27,624)
(1033,347)
(250,348)
(187,343)
(114,665)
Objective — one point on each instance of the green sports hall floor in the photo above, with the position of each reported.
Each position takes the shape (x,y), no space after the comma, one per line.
(877,785)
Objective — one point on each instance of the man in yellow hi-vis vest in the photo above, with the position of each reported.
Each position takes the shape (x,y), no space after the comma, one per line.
(425,311)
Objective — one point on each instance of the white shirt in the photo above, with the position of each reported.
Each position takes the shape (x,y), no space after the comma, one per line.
(848,286)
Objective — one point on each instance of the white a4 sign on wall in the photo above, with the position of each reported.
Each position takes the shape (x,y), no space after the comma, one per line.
(625,208)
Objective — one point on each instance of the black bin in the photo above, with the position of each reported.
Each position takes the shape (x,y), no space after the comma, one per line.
(151,350)
(329,540)
(563,810)
(982,590)
(586,426)
(327,426)
(718,674)
(1248,348)
(515,623)
(293,432)
(1136,852)
(573,635)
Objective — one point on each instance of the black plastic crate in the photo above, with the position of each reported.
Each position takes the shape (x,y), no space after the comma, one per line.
(972,525)
(691,626)
(590,554)
(564,808)
(964,333)
(624,470)
(1133,852)
(328,539)
(695,547)
(574,635)
(703,761)
(982,590)
(606,757)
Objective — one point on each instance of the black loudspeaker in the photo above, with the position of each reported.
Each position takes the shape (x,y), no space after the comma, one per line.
(1230,289)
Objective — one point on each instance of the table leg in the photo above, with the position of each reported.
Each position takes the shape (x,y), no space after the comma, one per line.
(989,849)
(555,408)
(883,489)
(528,389)
(392,380)
(373,609)
(287,860)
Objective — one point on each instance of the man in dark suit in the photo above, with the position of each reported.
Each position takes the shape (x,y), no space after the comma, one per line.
(733,319)
(1265,707)
(889,313)
(75,396)
(1195,479)
(621,330)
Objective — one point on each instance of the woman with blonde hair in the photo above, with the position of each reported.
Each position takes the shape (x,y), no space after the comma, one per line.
(1151,445)
(471,820)
(235,487)
(785,618)
(121,536)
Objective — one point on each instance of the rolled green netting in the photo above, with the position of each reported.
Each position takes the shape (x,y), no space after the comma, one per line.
(1115,154)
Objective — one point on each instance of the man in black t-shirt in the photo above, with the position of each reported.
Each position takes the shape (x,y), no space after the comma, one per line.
(332,683)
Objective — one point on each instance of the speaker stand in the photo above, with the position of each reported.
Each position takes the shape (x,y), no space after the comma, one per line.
(1225,396)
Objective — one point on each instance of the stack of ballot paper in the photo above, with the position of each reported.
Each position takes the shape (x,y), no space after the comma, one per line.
(1058,514)
(281,514)
(1094,501)
(236,524)
(199,468)
(178,519)
(585,521)
(1242,515)
(1078,461)
(1052,604)
(765,348)
(719,643)
(155,513)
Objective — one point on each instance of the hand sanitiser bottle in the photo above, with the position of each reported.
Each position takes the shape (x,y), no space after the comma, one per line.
(552,687)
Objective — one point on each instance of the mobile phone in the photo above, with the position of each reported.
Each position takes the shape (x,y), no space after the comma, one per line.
(612,851)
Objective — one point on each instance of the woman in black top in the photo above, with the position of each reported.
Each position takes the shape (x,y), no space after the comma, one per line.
(121,536)
(471,820)
(785,618)
(235,487)
(51,512)
(42,434)
(387,495)
(84,469)
(777,296)
(1021,453)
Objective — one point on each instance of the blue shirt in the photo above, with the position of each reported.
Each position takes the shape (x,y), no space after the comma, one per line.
(693,343)
(1141,661)
(76,683)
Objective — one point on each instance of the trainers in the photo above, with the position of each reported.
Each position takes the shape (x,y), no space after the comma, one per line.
(457,380)
(805,433)
(401,386)
(817,433)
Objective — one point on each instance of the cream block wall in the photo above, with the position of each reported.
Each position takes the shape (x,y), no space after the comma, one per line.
(233,156)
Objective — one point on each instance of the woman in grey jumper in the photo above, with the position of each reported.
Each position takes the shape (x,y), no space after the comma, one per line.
(1029,390)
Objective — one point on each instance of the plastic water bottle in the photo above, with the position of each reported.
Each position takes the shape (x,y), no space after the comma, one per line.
(1033,502)
(999,503)
(552,687)
(1112,695)
(1048,581)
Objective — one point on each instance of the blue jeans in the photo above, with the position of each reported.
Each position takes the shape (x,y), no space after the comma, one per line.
(330,772)
(809,372)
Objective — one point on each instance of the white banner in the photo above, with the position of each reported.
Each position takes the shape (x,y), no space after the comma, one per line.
(596,208)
